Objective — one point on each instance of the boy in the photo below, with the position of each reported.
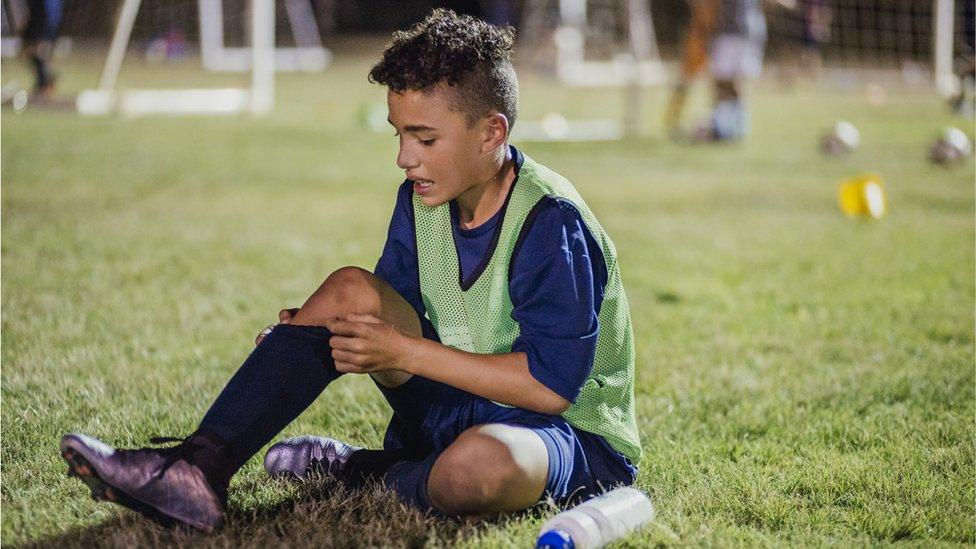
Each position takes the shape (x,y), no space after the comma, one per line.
(495,325)
(694,59)
(736,55)
(39,36)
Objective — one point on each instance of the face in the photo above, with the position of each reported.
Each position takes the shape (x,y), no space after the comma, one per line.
(438,151)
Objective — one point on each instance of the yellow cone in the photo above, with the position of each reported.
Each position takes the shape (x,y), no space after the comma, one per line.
(863,195)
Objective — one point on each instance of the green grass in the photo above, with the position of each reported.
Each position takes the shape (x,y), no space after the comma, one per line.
(803,378)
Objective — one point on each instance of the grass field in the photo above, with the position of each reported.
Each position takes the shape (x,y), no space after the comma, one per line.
(803,378)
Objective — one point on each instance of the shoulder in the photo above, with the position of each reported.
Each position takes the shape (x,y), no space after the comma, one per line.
(554,225)
(554,211)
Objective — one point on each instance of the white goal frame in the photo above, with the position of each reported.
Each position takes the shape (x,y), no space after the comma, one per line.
(946,81)
(258,99)
(308,56)
(633,70)
(642,62)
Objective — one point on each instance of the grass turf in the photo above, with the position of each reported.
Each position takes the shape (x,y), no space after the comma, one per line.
(803,378)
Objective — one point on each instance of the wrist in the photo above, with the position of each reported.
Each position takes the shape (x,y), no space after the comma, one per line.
(411,348)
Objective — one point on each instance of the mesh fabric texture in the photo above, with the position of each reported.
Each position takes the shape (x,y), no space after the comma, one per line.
(479,319)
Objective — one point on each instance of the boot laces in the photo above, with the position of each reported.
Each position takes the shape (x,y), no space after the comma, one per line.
(171,454)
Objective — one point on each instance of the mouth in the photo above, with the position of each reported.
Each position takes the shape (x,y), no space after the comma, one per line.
(421,186)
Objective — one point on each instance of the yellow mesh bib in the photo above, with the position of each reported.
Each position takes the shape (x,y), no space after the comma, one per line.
(479,319)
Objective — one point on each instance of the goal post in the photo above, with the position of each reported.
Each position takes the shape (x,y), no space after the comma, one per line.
(638,60)
(258,99)
(917,41)
(308,55)
(634,64)
(943,34)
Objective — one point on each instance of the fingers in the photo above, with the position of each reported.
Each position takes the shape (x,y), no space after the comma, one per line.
(285,315)
(349,368)
(263,333)
(347,328)
(367,318)
(351,344)
(352,360)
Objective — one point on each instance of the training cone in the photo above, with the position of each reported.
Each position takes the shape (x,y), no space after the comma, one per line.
(863,196)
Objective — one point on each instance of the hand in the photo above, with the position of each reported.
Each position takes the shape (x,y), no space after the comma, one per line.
(284,317)
(363,343)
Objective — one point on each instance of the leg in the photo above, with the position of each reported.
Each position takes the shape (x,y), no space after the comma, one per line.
(291,366)
(354,290)
(283,375)
(490,468)
(505,461)
(728,116)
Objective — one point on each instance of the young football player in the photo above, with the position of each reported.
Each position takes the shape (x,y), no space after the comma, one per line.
(736,55)
(694,59)
(495,324)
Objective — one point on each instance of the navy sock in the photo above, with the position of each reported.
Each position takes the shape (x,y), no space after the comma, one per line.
(366,465)
(409,480)
(282,377)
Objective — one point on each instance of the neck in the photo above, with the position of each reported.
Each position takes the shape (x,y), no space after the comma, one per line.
(479,203)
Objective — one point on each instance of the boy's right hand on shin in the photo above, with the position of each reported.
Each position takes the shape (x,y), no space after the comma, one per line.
(284,317)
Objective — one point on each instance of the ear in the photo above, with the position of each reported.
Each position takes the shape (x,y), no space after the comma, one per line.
(495,132)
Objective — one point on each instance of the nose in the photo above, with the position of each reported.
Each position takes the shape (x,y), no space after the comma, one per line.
(405,158)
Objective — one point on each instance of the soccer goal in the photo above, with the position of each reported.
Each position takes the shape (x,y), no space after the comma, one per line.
(920,43)
(308,55)
(257,99)
(596,44)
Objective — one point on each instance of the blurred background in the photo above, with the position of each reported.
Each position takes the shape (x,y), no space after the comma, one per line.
(789,185)
(919,45)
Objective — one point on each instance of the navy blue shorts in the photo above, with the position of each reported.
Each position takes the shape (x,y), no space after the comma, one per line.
(428,416)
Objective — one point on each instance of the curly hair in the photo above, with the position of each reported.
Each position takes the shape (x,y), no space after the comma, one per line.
(470,56)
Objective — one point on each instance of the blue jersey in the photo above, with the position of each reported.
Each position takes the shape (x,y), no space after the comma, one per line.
(557,281)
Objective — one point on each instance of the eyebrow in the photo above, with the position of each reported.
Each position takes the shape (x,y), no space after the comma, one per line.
(414,128)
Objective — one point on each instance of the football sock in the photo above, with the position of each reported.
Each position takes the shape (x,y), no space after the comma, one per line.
(366,465)
(409,480)
(278,381)
(729,120)
(42,76)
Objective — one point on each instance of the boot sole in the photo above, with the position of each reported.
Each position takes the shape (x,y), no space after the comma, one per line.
(79,466)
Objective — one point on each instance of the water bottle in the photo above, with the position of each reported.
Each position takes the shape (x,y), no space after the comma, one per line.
(597,521)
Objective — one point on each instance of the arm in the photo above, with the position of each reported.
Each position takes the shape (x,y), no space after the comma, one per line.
(364,344)
(503,378)
(556,286)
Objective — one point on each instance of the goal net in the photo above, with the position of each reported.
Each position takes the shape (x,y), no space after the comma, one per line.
(922,42)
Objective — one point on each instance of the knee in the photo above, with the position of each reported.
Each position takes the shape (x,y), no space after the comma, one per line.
(347,282)
(472,478)
(347,290)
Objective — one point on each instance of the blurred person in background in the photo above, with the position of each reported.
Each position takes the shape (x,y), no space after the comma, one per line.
(736,55)
(694,59)
(39,35)
(815,16)
(804,56)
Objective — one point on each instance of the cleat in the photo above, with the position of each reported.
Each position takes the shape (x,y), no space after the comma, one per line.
(304,456)
(159,483)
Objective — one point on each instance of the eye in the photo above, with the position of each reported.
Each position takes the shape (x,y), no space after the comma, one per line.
(427,142)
